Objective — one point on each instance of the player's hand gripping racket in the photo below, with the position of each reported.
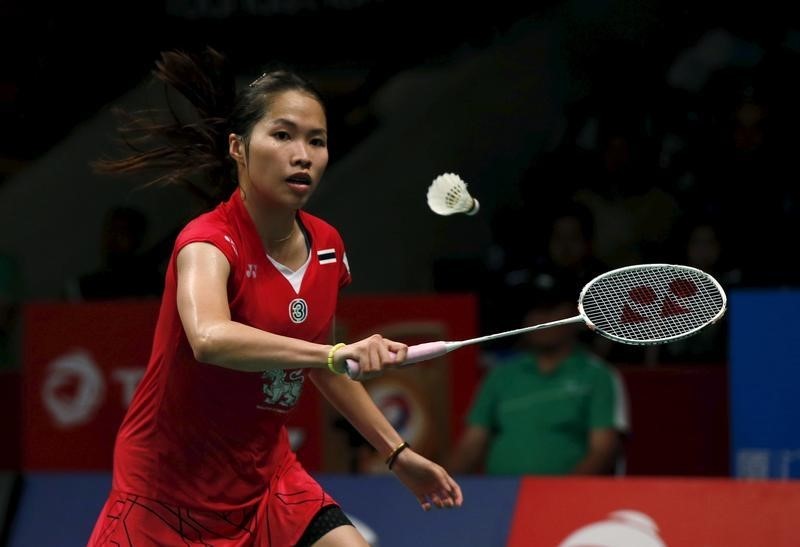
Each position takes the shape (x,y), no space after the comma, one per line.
(640,305)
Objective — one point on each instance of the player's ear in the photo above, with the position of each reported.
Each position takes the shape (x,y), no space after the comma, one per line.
(237,148)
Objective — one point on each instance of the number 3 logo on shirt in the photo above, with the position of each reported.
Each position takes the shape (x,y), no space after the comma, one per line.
(298,310)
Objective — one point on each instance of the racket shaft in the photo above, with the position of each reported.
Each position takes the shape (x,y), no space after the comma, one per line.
(417,353)
(558,323)
(430,350)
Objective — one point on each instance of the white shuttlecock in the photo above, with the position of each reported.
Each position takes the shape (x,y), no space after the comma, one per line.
(448,194)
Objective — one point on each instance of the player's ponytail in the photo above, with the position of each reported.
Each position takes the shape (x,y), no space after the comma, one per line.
(194,152)
(179,147)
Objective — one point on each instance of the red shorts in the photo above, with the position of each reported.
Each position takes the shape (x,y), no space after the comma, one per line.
(277,520)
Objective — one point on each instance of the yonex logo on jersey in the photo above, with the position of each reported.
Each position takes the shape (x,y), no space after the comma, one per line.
(326,256)
(251,270)
(298,310)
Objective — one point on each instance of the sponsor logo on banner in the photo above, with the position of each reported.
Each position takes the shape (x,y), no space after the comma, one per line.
(400,403)
(624,528)
(74,388)
(83,362)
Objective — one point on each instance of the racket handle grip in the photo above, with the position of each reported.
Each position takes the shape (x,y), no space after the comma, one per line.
(417,353)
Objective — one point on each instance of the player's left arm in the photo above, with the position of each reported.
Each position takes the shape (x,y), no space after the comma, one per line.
(428,481)
(353,402)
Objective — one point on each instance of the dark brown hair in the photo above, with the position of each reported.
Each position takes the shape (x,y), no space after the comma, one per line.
(195,153)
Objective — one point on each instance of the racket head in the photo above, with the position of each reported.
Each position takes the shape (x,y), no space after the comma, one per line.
(650,304)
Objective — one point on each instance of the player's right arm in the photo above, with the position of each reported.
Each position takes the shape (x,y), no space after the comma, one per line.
(203,272)
(204,310)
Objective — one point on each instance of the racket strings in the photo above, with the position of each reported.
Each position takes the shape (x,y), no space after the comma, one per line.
(652,304)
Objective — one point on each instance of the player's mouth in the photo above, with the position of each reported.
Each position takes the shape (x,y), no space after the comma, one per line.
(303,179)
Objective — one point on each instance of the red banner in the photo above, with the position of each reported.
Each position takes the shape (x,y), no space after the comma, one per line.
(83,361)
(427,402)
(654,513)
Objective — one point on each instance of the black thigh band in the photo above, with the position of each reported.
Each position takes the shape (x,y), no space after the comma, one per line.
(328,518)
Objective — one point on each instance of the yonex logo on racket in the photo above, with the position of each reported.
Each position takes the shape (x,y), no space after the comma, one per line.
(298,310)
(640,305)
(647,298)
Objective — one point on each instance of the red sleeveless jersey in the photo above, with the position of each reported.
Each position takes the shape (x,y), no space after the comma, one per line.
(200,435)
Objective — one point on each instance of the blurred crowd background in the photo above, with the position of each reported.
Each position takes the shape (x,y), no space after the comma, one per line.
(596,134)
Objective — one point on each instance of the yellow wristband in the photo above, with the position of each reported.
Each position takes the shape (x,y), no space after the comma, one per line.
(333,350)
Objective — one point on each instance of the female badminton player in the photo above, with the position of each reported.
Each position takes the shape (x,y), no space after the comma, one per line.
(202,456)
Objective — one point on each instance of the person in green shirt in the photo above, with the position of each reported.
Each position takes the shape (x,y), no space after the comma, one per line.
(552,408)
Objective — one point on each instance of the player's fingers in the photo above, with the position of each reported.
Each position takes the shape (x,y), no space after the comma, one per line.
(455,492)
(437,501)
(444,489)
(387,357)
(425,504)
(376,359)
(400,351)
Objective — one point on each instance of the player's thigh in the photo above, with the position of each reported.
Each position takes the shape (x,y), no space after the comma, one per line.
(342,536)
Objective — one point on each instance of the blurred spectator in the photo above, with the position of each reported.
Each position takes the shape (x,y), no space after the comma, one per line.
(563,257)
(552,408)
(704,248)
(633,214)
(749,156)
(126,272)
(569,259)
(746,118)
(10,298)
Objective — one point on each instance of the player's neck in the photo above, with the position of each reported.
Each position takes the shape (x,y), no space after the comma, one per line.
(276,227)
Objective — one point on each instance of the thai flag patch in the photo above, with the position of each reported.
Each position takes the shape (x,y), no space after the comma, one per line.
(326,256)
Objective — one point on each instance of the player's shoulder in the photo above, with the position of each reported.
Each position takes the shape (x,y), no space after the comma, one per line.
(216,224)
(213,220)
(215,227)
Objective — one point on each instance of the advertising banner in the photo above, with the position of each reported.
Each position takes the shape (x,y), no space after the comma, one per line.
(764,375)
(82,363)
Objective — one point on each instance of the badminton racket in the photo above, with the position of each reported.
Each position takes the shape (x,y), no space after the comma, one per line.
(645,305)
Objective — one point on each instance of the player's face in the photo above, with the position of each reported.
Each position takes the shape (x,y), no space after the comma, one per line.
(288,150)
